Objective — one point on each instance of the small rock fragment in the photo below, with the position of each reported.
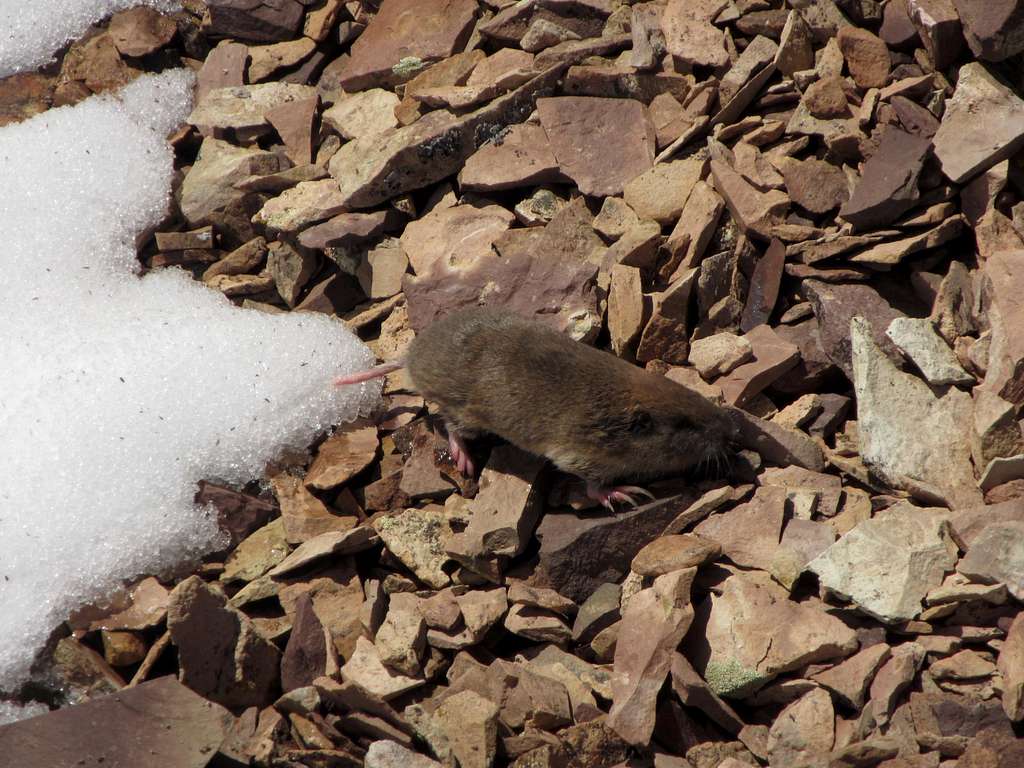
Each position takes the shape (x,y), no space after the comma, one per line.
(717,355)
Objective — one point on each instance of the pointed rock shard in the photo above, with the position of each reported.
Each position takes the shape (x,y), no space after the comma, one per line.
(1011,667)
(221,654)
(653,623)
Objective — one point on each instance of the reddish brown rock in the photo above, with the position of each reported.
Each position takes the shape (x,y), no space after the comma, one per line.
(581,551)
(294,124)
(689,34)
(159,722)
(850,679)
(752,632)
(897,30)
(264,21)
(238,514)
(24,95)
(814,184)
(773,356)
(581,129)
(994,30)
(867,57)
(344,454)
(764,287)
(666,335)
(653,623)
(220,652)
(520,158)
(404,36)
(754,211)
(547,273)
(1011,667)
(795,52)
(938,26)
(141,31)
(309,648)
(804,730)
(835,304)
(888,184)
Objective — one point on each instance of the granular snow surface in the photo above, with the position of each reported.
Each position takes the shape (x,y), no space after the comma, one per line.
(118,393)
(32,32)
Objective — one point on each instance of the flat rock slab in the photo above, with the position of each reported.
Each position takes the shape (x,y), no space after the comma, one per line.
(752,632)
(581,551)
(888,185)
(886,565)
(962,150)
(244,107)
(906,431)
(601,144)
(546,273)
(156,723)
(521,158)
(403,37)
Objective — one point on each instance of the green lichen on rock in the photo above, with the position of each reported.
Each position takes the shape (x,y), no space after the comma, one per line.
(407,66)
(730,678)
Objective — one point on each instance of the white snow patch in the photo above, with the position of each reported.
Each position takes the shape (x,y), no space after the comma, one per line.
(32,32)
(118,393)
(12,713)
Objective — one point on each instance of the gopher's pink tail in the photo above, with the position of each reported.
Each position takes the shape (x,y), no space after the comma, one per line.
(373,373)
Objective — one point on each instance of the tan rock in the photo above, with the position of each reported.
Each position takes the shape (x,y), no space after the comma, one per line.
(892,680)
(689,34)
(752,632)
(470,723)
(243,108)
(454,236)
(345,454)
(1011,667)
(957,148)
(753,210)
(661,192)
(674,552)
(625,308)
(719,354)
(418,538)
(257,553)
(401,641)
(304,515)
(772,357)
(366,670)
(804,730)
(366,113)
(867,56)
(537,624)
(266,60)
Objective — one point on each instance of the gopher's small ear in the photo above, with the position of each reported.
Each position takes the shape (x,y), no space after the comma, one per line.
(640,422)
